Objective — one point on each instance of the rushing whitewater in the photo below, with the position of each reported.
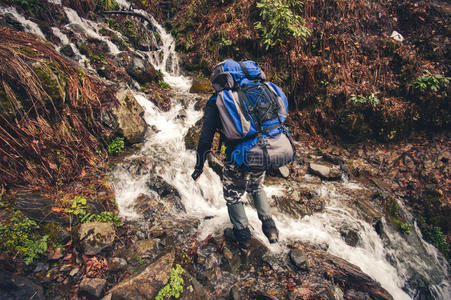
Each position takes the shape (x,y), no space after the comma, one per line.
(204,198)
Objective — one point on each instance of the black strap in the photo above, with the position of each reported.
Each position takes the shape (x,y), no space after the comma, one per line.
(245,71)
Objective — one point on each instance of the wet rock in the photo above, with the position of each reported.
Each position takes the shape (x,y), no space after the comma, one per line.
(146,284)
(174,201)
(67,50)
(41,267)
(284,171)
(297,257)
(126,119)
(92,286)
(234,293)
(96,236)
(140,68)
(194,290)
(148,205)
(18,287)
(350,236)
(38,208)
(325,172)
(200,103)
(231,262)
(117,264)
(142,249)
(201,85)
(272,261)
(74,271)
(161,186)
(299,202)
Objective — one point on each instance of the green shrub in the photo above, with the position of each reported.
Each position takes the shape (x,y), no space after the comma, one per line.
(433,83)
(79,210)
(19,236)
(107,4)
(164,84)
(279,22)
(116,146)
(175,285)
(436,237)
(371,99)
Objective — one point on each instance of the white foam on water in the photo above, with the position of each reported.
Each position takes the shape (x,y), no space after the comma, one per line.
(90,29)
(28,25)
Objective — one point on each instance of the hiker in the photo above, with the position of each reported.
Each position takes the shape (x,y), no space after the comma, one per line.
(254,140)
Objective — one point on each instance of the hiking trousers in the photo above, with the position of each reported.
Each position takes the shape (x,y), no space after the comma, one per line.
(235,182)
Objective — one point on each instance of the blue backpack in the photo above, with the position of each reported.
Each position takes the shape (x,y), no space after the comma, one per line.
(252,112)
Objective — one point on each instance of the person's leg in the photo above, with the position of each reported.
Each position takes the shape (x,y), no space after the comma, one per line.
(234,185)
(255,188)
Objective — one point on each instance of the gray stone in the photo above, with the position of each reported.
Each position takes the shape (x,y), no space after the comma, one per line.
(297,257)
(40,266)
(201,85)
(18,287)
(96,236)
(117,264)
(146,284)
(350,236)
(284,171)
(324,171)
(67,50)
(92,286)
(125,119)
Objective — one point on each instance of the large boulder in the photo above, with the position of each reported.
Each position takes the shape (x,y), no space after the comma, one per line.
(324,171)
(126,119)
(18,287)
(140,68)
(96,236)
(201,85)
(146,284)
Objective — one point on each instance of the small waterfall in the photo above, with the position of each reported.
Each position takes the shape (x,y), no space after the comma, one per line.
(28,25)
(90,29)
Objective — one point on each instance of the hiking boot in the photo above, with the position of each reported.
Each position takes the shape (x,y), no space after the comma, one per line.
(270,230)
(240,237)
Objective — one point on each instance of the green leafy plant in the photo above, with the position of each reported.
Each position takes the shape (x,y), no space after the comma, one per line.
(116,146)
(164,84)
(79,210)
(433,83)
(279,22)
(371,99)
(108,4)
(436,237)
(175,285)
(19,235)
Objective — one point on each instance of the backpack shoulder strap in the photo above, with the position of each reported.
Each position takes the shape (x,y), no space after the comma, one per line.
(246,72)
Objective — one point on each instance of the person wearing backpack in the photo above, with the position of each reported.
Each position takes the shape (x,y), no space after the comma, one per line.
(249,113)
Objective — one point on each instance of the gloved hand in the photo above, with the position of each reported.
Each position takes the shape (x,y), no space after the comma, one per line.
(196,174)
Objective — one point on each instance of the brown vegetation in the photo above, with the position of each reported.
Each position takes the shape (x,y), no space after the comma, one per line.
(50,124)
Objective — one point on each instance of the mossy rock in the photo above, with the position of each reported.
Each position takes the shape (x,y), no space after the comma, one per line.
(53,81)
(201,85)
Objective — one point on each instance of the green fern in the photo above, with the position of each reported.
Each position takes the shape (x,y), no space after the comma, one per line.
(175,285)
(280,23)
